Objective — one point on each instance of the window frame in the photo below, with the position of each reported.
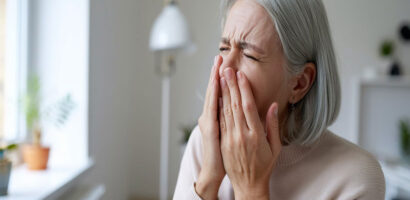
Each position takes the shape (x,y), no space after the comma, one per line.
(16,59)
(2,62)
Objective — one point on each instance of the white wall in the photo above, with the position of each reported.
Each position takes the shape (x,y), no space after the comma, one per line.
(358,27)
(125,92)
(124,98)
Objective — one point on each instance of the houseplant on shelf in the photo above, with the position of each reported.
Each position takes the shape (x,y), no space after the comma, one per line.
(5,168)
(387,51)
(35,155)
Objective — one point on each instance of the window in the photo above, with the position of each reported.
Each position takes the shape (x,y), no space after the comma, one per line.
(13,34)
(2,62)
(59,59)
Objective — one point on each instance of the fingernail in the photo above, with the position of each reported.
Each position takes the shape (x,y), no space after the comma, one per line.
(215,59)
(228,73)
(238,74)
(223,82)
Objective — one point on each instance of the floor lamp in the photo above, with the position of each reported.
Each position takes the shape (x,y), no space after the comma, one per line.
(169,35)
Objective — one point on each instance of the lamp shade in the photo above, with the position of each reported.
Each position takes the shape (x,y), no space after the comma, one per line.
(170,30)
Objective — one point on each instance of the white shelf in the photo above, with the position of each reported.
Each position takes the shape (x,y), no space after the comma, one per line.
(387,81)
(382,104)
(48,184)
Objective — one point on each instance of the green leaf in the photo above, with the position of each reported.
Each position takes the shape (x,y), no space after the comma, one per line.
(31,101)
(11,147)
(405,136)
(387,48)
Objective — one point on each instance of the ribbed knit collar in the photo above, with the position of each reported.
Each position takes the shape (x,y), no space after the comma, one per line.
(292,153)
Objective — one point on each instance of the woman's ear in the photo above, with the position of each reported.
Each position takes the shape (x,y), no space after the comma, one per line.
(303,82)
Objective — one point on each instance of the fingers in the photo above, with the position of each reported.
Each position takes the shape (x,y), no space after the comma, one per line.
(235,97)
(222,125)
(248,103)
(226,106)
(211,99)
(272,123)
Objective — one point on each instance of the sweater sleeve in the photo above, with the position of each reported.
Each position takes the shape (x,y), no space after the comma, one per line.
(368,182)
(190,168)
(373,181)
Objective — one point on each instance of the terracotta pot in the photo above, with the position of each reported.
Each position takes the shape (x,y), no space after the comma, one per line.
(5,168)
(36,156)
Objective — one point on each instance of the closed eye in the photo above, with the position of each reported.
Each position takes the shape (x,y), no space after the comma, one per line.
(223,49)
(251,57)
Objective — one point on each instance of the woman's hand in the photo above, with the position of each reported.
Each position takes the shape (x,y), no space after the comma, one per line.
(249,155)
(212,169)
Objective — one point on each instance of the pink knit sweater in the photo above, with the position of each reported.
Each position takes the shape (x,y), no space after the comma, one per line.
(331,168)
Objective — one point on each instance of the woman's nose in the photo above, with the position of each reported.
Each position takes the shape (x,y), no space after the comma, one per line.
(229,60)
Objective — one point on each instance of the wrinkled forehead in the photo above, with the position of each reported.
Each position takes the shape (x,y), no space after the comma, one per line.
(248,21)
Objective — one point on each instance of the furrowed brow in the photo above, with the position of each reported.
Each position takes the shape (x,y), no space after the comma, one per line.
(243,45)
(247,45)
(225,41)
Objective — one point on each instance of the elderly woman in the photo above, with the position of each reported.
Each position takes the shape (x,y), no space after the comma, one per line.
(273,91)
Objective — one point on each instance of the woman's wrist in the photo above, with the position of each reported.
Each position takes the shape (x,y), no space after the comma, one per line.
(257,192)
(206,187)
(251,195)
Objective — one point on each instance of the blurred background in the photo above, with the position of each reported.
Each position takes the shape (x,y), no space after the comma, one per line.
(78,83)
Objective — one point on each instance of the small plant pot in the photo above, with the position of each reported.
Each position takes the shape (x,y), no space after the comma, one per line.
(5,169)
(36,156)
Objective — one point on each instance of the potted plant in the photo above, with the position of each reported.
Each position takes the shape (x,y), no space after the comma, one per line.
(387,52)
(5,168)
(35,155)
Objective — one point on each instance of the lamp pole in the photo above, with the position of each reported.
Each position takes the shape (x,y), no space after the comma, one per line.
(165,102)
(169,35)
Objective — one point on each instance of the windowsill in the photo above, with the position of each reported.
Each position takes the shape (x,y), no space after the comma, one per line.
(48,184)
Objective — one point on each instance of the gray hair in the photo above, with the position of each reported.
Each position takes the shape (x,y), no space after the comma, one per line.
(303,30)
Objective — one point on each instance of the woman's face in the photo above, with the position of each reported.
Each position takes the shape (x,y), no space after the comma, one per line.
(250,44)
